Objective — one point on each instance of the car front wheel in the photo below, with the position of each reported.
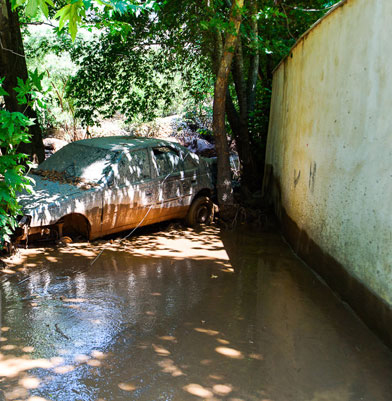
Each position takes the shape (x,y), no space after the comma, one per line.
(201,211)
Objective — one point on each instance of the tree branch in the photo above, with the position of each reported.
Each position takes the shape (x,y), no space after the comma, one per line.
(287,21)
(38,23)
(9,50)
(310,10)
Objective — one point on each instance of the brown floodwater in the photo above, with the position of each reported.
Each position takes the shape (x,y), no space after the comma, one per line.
(172,314)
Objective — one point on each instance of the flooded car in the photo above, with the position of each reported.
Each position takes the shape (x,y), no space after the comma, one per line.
(100,186)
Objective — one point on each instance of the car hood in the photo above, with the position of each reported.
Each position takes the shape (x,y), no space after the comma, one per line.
(48,196)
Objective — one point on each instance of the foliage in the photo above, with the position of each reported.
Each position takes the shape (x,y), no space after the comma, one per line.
(125,73)
(13,131)
(196,27)
(279,27)
(121,67)
(75,12)
(33,7)
(151,58)
(48,52)
(145,64)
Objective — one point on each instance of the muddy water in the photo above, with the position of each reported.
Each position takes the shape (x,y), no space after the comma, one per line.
(179,315)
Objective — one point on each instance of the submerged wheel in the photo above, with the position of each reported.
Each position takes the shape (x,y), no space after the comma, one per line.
(201,211)
(66,240)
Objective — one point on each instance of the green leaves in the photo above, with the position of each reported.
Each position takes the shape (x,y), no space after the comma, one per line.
(13,128)
(22,90)
(33,7)
(2,91)
(31,91)
(13,131)
(72,14)
(36,80)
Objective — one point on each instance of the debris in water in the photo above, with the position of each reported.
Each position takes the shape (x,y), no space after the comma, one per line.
(60,331)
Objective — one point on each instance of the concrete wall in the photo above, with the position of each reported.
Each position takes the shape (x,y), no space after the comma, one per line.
(329,152)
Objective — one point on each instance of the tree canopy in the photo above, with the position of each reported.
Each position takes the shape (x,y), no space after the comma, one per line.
(150,58)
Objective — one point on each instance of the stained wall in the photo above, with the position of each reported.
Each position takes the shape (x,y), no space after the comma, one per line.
(329,150)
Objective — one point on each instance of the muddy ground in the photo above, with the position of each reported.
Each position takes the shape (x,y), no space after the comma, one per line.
(176,314)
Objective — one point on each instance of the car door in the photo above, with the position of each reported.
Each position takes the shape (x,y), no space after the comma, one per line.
(129,198)
(190,177)
(168,165)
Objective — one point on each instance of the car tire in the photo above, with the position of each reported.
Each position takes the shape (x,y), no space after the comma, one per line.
(201,211)
(65,240)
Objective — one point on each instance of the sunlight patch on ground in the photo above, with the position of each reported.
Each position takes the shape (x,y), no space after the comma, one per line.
(176,244)
(206,331)
(160,350)
(94,362)
(12,366)
(74,300)
(29,382)
(98,354)
(127,386)
(222,389)
(168,338)
(229,352)
(7,271)
(182,244)
(222,341)
(64,369)
(81,358)
(257,357)
(168,366)
(198,391)
(8,347)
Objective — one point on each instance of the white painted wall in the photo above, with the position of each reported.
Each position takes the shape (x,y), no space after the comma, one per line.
(330,138)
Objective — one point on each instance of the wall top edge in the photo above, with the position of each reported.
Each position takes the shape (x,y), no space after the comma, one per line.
(306,33)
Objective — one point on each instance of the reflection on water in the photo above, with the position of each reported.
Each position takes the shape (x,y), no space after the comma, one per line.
(179,315)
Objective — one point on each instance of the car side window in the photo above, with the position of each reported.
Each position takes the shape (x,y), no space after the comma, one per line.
(134,167)
(167,160)
(189,162)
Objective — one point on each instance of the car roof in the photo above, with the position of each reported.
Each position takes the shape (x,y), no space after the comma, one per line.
(130,142)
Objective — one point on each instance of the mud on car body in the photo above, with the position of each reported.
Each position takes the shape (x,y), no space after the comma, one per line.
(100,186)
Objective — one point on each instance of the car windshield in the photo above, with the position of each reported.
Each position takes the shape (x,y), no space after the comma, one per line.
(79,163)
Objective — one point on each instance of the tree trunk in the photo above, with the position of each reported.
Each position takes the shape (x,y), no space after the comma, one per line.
(255,59)
(242,138)
(224,188)
(217,52)
(233,117)
(12,66)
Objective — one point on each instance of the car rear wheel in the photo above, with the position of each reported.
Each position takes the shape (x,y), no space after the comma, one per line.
(201,211)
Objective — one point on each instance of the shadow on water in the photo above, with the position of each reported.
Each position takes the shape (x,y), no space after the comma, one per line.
(182,315)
